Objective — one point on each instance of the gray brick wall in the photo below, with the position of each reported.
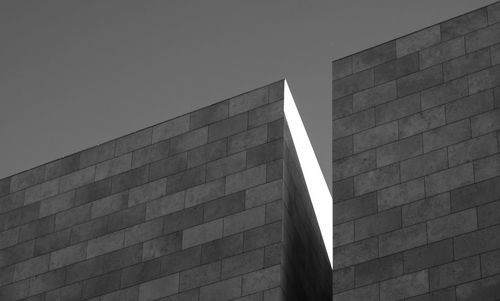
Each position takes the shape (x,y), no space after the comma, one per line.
(416,129)
(189,209)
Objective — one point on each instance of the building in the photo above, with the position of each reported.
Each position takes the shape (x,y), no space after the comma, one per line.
(416,166)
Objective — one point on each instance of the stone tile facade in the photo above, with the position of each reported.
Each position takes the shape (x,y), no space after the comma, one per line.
(416,129)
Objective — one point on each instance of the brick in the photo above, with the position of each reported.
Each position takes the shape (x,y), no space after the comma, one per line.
(68,255)
(377,179)
(276,90)
(183,180)
(354,208)
(31,267)
(342,148)
(109,205)
(77,179)
(452,225)
(88,230)
(483,289)
(405,286)
(400,194)
(274,211)
(429,208)
(147,192)
(449,179)
(265,153)
(227,127)
(377,224)
(444,93)
(4,186)
(222,248)
(105,244)
(477,194)
(429,255)
(342,67)
(484,79)
(495,54)
(199,276)
(263,194)
(342,107)
(469,106)
(482,38)
(204,193)
(352,83)
(396,68)
(46,243)
(143,232)
(9,238)
(403,239)
(170,128)
(12,201)
(418,40)
(244,220)
(343,190)
(374,96)
(477,242)
(379,269)
(168,166)
(224,206)
(365,293)
(353,123)
(122,258)
(275,129)
(355,253)
(343,279)
(92,192)
(493,13)
(265,114)
(485,123)
(165,205)
(113,167)
(97,154)
(207,152)
(454,273)
(421,122)
(46,282)
(247,101)
(490,263)
(374,56)
(262,236)
(129,179)
(261,280)
(158,288)
(463,24)
(343,234)
(202,233)
(223,290)
(16,253)
(72,216)
(273,255)
(162,246)
(33,229)
(446,135)
(84,269)
(376,136)
(69,292)
(188,140)
(133,141)
(209,115)
(488,214)
(243,263)
(129,294)
(19,216)
(245,179)
(247,139)
(472,149)
(424,164)
(225,166)
(150,153)
(469,63)
(442,52)
(183,219)
(420,80)
(27,178)
(126,218)
(354,165)
(486,168)
(181,260)
(62,166)
(399,150)
(398,108)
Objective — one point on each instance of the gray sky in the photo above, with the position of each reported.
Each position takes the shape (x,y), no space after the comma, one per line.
(74,74)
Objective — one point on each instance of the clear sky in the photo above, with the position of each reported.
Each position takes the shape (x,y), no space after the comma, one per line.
(74,74)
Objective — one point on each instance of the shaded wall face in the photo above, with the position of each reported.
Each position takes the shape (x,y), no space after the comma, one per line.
(189,209)
(416,165)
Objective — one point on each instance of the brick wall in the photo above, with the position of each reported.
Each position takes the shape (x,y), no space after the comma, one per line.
(189,209)
(416,167)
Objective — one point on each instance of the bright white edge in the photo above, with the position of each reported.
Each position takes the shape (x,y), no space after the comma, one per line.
(316,184)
